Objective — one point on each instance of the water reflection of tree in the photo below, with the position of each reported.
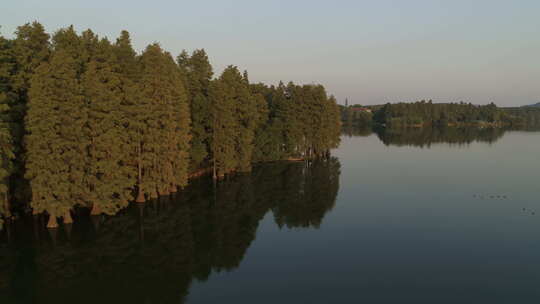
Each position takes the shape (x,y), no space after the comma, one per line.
(311,193)
(151,253)
(425,137)
(353,131)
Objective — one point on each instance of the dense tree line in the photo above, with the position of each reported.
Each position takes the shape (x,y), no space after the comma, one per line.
(424,113)
(525,116)
(166,244)
(89,122)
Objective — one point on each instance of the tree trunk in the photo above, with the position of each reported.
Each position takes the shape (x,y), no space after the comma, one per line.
(140,194)
(96,210)
(67,218)
(53,223)
(140,197)
(164,192)
(214,169)
(154,195)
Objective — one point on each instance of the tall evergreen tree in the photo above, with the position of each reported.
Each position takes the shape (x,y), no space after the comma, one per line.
(164,101)
(109,180)
(55,143)
(179,131)
(247,112)
(198,72)
(7,155)
(134,113)
(224,130)
(30,48)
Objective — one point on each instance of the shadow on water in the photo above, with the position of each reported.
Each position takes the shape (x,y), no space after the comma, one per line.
(151,253)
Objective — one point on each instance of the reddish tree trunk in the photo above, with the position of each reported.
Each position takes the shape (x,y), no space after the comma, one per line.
(67,218)
(53,223)
(96,210)
(164,192)
(140,197)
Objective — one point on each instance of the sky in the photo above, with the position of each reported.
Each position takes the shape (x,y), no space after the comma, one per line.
(370,52)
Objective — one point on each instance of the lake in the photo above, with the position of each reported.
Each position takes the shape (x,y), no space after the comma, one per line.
(417,216)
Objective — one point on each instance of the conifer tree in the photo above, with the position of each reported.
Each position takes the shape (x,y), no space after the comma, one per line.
(334,118)
(261,136)
(225,128)
(179,131)
(163,98)
(152,96)
(294,118)
(55,143)
(126,56)
(247,112)
(30,48)
(134,111)
(7,155)
(109,180)
(70,42)
(198,73)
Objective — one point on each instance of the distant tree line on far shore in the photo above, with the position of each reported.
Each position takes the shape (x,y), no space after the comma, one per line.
(426,113)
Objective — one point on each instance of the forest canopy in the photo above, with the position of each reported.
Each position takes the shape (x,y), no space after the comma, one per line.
(88,122)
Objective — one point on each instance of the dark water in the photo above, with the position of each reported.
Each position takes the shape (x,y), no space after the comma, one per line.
(418,216)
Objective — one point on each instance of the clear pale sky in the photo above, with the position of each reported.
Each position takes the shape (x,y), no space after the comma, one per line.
(369,51)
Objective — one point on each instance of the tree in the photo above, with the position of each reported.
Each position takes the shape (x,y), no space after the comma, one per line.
(224,130)
(198,73)
(7,154)
(55,143)
(247,113)
(29,49)
(166,115)
(179,132)
(135,112)
(109,179)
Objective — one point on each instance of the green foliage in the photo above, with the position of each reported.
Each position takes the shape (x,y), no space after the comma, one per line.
(165,133)
(524,116)
(224,127)
(109,179)
(102,125)
(198,73)
(301,122)
(7,149)
(445,114)
(356,116)
(55,145)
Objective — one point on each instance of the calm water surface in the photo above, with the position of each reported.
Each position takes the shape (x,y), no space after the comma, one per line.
(421,217)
